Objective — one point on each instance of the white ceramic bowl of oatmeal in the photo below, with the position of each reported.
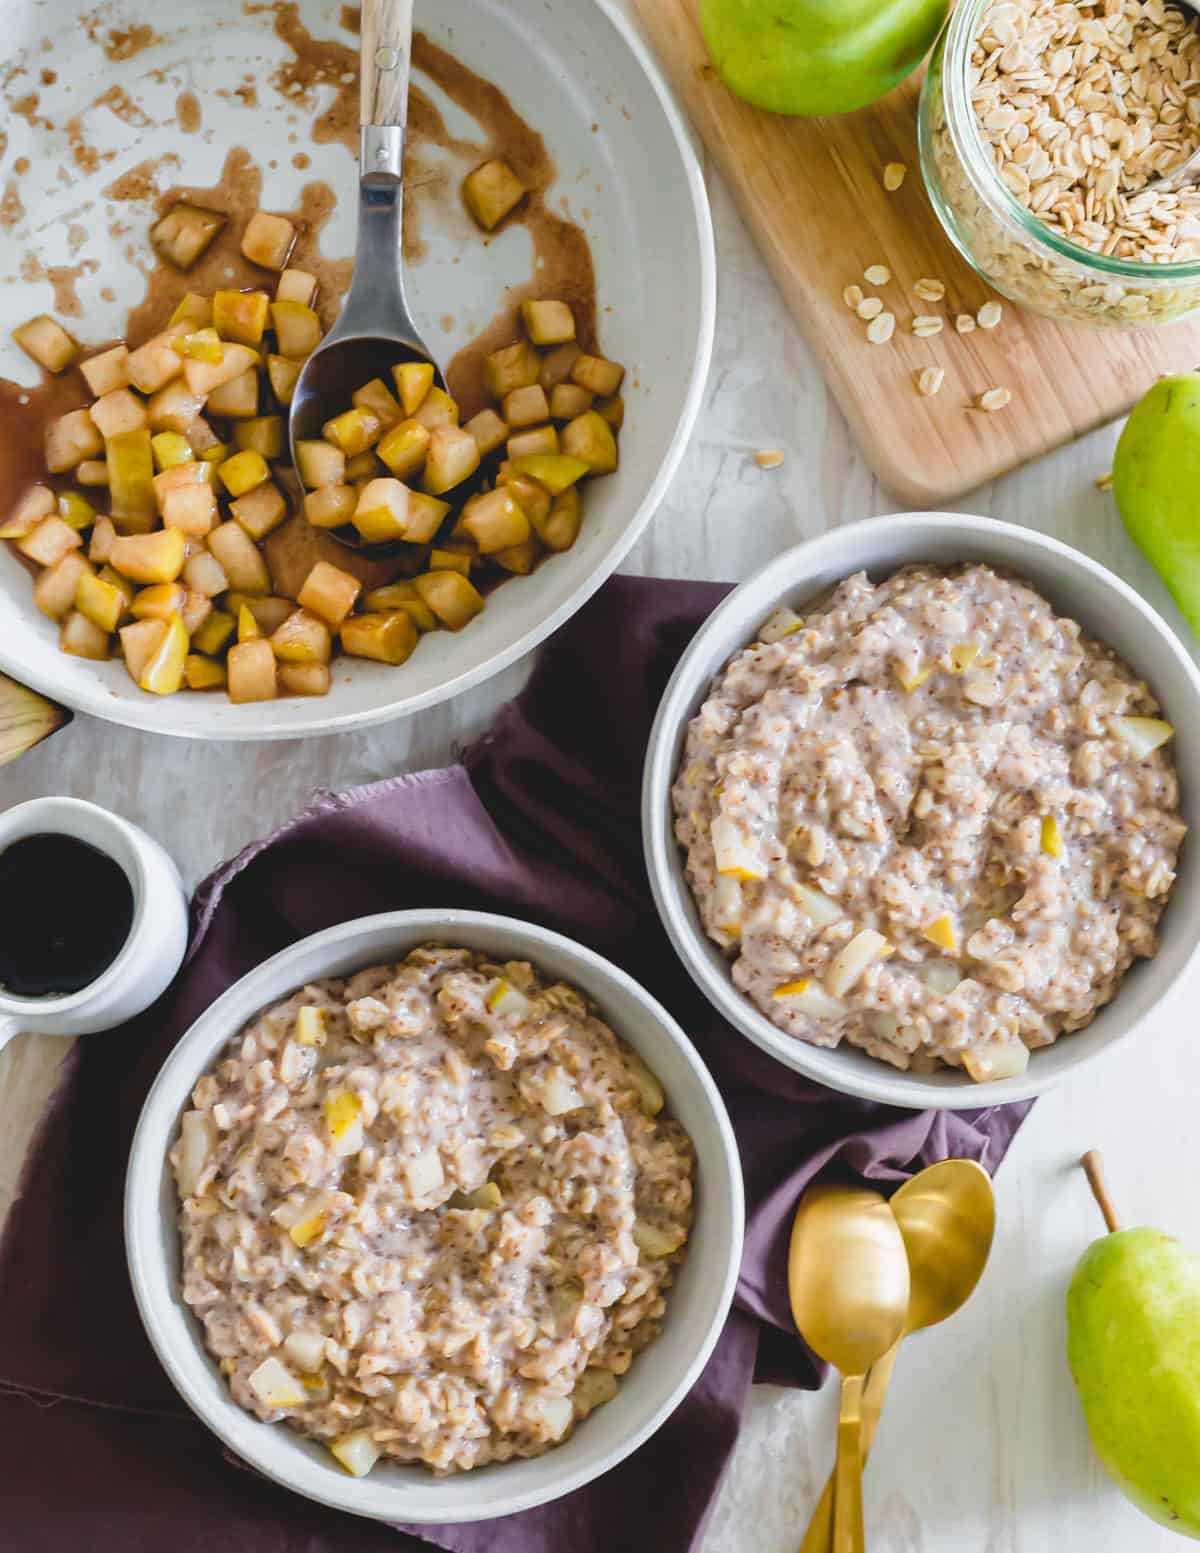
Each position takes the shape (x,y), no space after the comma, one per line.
(660,1374)
(1108,611)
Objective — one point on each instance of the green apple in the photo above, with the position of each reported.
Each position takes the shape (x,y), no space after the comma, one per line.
(818,56)
(1133,1319)
(1156,481)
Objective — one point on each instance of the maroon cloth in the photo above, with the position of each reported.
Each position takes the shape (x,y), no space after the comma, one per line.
(540,821)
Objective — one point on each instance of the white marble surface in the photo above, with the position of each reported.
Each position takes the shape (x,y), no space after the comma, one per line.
(982,1448)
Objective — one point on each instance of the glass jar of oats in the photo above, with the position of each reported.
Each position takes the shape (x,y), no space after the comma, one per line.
(1044,125)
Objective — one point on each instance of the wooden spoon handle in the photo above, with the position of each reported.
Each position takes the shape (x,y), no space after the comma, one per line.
(848,1535)
(819,1536)
(386,36)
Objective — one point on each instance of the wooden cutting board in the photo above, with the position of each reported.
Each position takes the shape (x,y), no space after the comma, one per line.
(811,192)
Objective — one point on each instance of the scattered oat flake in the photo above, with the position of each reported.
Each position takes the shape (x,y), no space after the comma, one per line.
(964,323)
(881,329)
(877,275)
(995,399)
(1104,481)
(869,307)
(925,325)
(989,315)
(930,290)
(852,296)
(894,175)
(769,458)
(929,380)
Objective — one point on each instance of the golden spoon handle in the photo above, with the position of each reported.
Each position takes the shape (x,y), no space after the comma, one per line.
(819,1536)
(847,1495)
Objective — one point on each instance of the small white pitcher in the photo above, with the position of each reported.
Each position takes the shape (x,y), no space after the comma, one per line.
(154,949)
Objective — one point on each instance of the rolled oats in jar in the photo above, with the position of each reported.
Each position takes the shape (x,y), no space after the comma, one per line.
(1045,127)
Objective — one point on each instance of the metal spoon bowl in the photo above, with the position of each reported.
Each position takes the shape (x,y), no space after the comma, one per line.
(375,330)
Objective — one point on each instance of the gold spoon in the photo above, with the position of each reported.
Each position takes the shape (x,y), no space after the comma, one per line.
(947,1217)
(849,1286)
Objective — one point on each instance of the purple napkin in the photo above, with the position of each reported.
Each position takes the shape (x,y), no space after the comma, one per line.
(539,821)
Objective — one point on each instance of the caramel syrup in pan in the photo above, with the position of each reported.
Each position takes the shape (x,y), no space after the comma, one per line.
(562,261)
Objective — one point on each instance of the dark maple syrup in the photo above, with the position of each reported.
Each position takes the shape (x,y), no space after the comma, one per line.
(65,913)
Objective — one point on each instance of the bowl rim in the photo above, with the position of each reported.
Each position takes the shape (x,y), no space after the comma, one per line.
(146,717)
(142,1216)
(672,898)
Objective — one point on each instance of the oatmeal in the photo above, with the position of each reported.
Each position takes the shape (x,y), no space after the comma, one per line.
(931,819)
(431,1213)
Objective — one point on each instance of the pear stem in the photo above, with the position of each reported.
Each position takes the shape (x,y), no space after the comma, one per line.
(1093,1168)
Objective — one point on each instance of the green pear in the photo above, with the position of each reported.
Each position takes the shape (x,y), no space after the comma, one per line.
(1133,1321)
(1156,480)
(818,56)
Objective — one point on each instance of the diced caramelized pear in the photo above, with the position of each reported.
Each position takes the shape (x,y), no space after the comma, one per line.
(269,611)
(450,596)
(489,431)
(612,410)
(153,365)
(75,509)
(354,431)
(150,558)
(104,531)
(179,477)
(215,633)
(99,601)
(357,1452)
(516,366)
(240,315)
(404,447)
(237,399)
(297,329)
(283,374)
(176,408)
(329,592)
(539,440)
(557,364)
(331,506)
(296,286)
(548,323)
(275,1386)
(993,1060)
(304,679)
(941,932)
(38,502)
(453,558)
(124,587)
(526,406)
(560,528)
(247,626)
(201,673)
(49,541)
(185,232)
(556,471)
(1052,836)
(377,399)
(414,379)
(320,463)
(118,412)
(251,671)
(107,372)
(437,409)
(83,638)
(47,342)
(302,638)
(132,497)
(263,434)
(567,400)
(203,344)
(54,591)
(535,500)
(519,559)
(240,559)
(589,438)
(193,310)
(93,471)
(452,458)
(654,1242)
(204,376)
(491,192)
(204,574)
(495,520)
(155,652)
(363,466)
(243,472)
(1142,735)
(268,240)
(597,375)
(70,439)
(195,611)
(401,595)
(425,516)
(261,510)
(159,602)
(170,449)
(381,513)
(387,638)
